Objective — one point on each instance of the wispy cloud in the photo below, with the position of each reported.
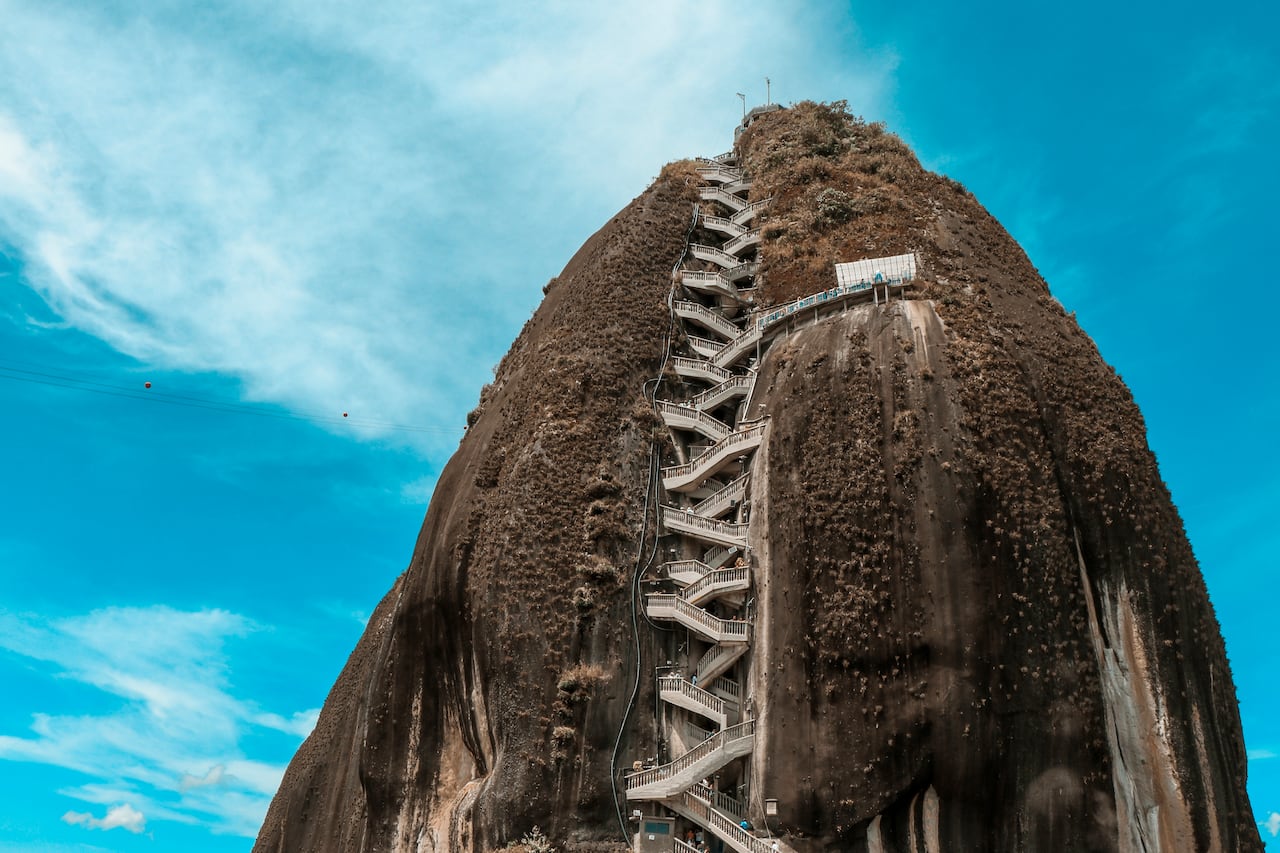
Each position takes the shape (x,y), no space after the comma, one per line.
(1272,824)
(1261,754)
(123,816)
(173,749)
(353,206)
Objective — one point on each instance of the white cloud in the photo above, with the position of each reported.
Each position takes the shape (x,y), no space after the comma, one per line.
(172,743)
(213,777)
(353,206)
(299,724)
(1272,824)
(123,816)
(1261,754)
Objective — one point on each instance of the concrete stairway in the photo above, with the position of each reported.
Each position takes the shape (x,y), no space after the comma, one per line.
(686,477)
(705,759)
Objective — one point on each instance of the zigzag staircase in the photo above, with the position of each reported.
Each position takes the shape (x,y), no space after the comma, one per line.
(705,515)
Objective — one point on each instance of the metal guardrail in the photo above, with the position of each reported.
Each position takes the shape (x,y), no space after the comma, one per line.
(720,740)
(777,315)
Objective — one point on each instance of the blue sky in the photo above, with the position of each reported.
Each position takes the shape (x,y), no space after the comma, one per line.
(277,213)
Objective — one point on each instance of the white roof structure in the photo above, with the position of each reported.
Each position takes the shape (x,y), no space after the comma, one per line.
(895,268)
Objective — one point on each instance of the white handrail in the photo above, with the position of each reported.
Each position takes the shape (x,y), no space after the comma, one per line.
(727,685)
(711,505)
(677,684)
(731,443)
(741,271)
(712,426)
(722,224)
(734,577)
(749,212)
(723,738)
(719,800)
(661,604)
(673,515)
(709,318)
(742,241)
(728,388)
(700,367)
(696,567)
(715,658)
(738,347)
(714,254)
(721,195)
(704,346)
(724,825)
(719,172)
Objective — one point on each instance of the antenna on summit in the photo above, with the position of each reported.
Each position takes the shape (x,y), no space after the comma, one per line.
(768,91)
(744,104)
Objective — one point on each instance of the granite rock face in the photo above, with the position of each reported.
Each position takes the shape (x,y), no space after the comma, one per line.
(980,625)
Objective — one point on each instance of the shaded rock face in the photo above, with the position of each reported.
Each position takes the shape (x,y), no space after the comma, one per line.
(980,625)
